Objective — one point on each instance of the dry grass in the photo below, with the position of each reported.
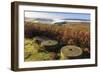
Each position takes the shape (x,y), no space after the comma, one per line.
(71,33)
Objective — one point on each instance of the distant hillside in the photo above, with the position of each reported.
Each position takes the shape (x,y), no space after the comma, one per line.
(39,20)
(55,21)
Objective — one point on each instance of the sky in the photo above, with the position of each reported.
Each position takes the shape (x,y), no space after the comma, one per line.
(57,15)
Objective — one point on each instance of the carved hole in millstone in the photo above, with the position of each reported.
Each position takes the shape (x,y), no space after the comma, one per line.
(70,50)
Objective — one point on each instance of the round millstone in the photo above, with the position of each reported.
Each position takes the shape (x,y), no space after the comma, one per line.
(71,51)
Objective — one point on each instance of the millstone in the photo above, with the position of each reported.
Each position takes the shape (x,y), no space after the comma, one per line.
(71,51)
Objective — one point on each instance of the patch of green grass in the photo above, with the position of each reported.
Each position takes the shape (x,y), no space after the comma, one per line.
(34,51)
(39,56)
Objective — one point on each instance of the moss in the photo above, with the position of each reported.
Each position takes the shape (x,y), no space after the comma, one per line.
(34,52)
(39,56)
